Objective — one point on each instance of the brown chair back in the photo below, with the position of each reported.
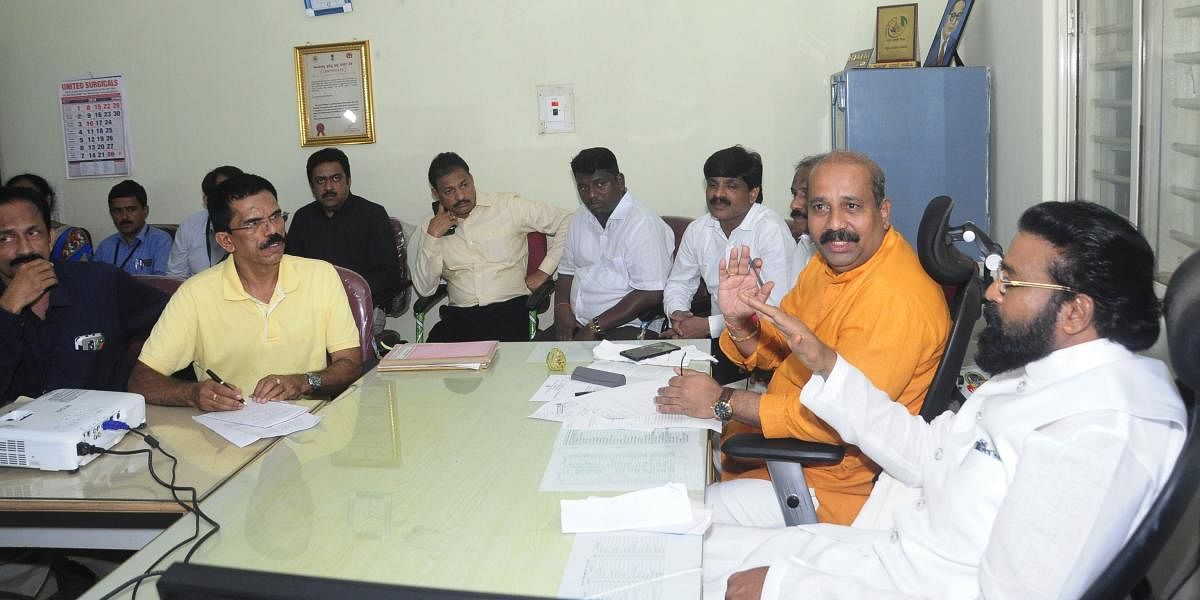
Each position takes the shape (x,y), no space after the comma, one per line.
(361,306)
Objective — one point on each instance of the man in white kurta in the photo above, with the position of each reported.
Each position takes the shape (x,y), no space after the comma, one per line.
(1039,479)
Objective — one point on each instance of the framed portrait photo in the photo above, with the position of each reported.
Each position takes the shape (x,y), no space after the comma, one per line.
(333,94)
(945,39)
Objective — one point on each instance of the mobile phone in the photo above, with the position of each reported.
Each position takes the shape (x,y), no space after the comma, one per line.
(437,204)
(649,351)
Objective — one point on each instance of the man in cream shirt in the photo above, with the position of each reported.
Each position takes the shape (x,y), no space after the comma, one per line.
(477,244)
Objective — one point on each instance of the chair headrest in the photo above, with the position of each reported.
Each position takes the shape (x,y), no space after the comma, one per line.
(944,263)
(1181,306)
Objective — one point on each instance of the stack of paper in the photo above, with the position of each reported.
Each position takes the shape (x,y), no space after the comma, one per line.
(436,356)
(256,421)
(630,406)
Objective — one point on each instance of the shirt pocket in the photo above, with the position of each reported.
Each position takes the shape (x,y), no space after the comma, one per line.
(504,249)
(612,273)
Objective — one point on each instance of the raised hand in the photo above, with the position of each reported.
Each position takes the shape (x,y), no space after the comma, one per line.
(805,344)
(737,275)
(442,222)
(30,280)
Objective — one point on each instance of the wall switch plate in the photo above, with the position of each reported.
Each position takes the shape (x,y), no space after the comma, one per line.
(556,108)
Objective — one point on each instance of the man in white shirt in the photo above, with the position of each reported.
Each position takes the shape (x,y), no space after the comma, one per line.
(805,247)
(735,218)
(1042,475)
(195,248)
(617,257)
(478,244)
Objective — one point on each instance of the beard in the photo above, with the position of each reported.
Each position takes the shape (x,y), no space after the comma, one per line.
(1007,346)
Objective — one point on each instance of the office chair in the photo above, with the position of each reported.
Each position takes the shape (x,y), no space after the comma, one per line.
(539,299)
(701,301)
(170,228)
(396,305)
(363,308)
(949,267)
(166,285)
(1126,574)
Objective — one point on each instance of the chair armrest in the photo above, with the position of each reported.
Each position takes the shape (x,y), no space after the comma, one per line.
(754,445)
(540,296)
(424,303)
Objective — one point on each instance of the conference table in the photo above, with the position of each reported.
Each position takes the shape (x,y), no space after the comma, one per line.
(426,478)
(112,502)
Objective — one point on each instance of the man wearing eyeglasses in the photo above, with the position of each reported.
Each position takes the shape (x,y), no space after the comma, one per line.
(259,325)
(1042,475)
(347,230)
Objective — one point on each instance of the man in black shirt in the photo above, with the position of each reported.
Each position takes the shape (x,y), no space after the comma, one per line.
(64,325)
(346,230)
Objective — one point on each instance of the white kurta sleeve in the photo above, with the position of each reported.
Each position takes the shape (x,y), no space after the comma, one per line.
(866,417)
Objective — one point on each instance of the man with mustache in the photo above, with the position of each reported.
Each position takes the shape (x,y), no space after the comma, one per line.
(867,296)
(261,320)
(478,244)
(735,218)
(617,259)
(136,248)
(347,230)
(65,325)
(1038,480)
(805,247)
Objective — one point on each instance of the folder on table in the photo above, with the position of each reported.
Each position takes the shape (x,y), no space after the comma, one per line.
(439,356)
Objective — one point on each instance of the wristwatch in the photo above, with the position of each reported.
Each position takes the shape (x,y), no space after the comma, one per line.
(594,325)
(314,382)
(722,409)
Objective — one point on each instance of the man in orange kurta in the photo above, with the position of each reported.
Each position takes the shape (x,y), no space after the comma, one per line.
(867,296)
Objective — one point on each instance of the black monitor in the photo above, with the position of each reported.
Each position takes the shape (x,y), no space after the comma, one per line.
(195,582)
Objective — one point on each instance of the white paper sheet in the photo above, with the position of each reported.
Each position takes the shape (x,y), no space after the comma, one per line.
(244,435)
(633,566)
(561,388)
(623,461)
(642,509)
(255,414)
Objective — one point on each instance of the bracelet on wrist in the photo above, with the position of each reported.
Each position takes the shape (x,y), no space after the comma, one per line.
(730,326)
(744,338)
(594,325)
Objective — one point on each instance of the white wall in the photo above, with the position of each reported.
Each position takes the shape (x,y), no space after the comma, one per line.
(663,83)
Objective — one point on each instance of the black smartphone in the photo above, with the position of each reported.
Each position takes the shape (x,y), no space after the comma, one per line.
(436,205)
(649,351)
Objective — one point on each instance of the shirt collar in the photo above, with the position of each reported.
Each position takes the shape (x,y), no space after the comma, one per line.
(231,284)
(618,214)
(1068,362)
(483,200)
(752,217)
(141,235)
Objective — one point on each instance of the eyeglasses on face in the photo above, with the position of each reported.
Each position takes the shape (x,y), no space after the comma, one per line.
(257,224)
(1003,283)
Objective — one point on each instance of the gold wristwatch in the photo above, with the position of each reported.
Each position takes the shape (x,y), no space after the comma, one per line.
(722,409)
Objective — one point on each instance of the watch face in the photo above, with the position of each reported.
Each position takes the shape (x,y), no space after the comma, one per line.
(723,410)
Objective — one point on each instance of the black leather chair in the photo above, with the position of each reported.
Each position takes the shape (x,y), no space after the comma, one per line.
(960,276)
(1126,575)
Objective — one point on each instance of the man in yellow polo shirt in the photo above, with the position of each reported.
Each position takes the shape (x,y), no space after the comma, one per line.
(866,296)
(261,320)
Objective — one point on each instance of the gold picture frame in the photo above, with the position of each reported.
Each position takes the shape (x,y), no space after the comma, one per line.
(896,33)
(334,94)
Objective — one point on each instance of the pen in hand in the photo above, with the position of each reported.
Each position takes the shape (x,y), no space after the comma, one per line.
(757,271)
(217,378)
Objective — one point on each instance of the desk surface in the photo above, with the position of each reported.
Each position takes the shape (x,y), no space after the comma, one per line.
(112,491)
(422,478)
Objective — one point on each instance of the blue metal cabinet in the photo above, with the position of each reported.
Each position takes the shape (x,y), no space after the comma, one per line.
(927,128)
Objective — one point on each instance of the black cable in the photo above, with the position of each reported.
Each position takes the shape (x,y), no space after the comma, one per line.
(194,507)
(132,581)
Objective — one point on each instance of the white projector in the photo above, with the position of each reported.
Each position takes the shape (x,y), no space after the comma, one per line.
(45,433)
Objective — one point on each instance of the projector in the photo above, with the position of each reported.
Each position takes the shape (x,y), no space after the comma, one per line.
(45,433)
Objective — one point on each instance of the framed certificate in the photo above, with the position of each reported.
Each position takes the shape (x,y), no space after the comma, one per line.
(896,33)
(333,91)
